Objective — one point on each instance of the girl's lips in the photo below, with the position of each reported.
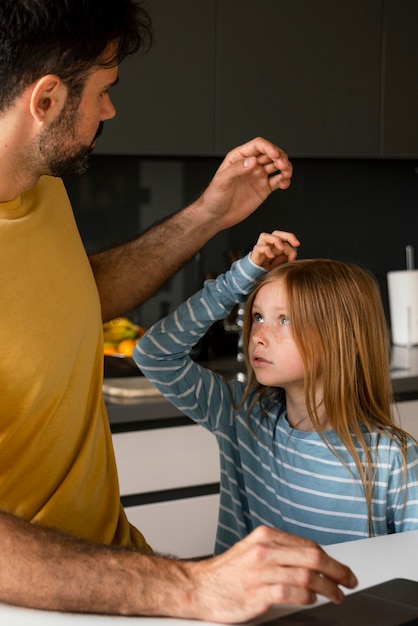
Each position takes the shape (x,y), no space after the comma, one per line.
(259,360)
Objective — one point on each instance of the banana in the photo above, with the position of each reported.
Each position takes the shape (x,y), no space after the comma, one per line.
(118,329)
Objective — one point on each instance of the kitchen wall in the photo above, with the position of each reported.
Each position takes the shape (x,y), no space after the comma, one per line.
(358,210)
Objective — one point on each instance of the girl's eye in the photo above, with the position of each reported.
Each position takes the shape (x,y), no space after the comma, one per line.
(283,319)
(257,317)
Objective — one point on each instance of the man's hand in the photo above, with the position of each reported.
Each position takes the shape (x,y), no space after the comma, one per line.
(268,567)
(246,177)
(274,249)
(127,275)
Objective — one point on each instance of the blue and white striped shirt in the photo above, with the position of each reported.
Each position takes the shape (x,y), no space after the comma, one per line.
(271,473)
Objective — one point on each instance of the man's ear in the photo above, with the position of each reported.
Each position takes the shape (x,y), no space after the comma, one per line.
(48,98)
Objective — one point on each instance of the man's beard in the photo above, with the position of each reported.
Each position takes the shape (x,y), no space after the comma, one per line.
(65,163)
(59,158)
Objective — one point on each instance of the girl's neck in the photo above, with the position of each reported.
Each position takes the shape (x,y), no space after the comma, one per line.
(298,418)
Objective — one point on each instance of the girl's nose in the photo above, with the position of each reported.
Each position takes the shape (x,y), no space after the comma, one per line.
(259,337)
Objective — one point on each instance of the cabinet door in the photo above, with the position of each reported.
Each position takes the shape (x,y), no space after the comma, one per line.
(400,78)
(406,415)
(304,74)
(165,458)
(159,460)
(184,528)
(165,99)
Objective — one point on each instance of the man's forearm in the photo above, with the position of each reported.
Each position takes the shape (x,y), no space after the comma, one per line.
(43,569)
(129,274)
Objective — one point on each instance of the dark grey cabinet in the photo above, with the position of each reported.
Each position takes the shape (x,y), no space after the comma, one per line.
(303,73)
(318,77)
(165,99)
(399,128)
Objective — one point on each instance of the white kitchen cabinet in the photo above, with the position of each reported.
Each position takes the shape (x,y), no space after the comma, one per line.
(165,458)
(184,528)
(407,414)
(164,473)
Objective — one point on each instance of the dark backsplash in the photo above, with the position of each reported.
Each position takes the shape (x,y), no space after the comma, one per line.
(364,211)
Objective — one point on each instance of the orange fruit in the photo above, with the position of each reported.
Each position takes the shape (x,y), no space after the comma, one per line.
(126,347)
(109,348)
(141,331)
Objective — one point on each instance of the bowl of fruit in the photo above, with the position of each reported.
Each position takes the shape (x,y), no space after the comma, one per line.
(120,336)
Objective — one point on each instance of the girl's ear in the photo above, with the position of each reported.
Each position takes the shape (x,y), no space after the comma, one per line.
(47,98)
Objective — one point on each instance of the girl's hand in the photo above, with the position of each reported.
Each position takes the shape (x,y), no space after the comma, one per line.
(274,249)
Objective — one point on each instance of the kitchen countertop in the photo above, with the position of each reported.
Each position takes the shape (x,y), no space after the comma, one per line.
(134,399)
(404,370)
(133,402)
(372,560)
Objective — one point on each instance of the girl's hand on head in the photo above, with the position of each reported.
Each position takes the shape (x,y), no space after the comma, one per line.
(274,249)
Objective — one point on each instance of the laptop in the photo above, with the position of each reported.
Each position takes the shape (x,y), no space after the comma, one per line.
(392,603)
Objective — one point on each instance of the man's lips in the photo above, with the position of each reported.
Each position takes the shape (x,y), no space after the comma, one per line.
(98,133)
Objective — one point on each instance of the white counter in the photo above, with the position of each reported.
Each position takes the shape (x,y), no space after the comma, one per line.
(372,560)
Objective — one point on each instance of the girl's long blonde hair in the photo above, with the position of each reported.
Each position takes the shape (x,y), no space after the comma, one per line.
(339,327)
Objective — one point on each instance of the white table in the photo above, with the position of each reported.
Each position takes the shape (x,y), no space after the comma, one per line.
(372,560)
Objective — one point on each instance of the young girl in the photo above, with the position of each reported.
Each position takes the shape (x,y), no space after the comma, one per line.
(308,445)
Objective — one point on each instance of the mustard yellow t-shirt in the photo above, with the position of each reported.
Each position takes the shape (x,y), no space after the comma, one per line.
(57,465)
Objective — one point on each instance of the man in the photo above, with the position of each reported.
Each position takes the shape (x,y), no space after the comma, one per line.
(65,541)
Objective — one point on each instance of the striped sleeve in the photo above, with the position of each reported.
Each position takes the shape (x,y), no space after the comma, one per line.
(402,491)
(163,353)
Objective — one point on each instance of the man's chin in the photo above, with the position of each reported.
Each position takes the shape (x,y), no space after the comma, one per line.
(74,165)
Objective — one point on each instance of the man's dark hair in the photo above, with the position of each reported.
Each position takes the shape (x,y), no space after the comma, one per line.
(64,37)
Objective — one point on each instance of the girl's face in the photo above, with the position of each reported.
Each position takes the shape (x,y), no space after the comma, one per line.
(274,357)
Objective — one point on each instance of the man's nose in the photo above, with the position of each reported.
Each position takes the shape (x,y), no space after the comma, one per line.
(108,109)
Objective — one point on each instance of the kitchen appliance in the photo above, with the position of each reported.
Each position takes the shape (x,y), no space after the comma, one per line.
(403,303)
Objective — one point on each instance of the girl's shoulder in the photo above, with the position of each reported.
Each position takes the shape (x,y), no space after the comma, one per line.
(396,442)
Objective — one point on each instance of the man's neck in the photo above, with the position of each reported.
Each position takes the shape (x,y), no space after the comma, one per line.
(19,169)
(13,185)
